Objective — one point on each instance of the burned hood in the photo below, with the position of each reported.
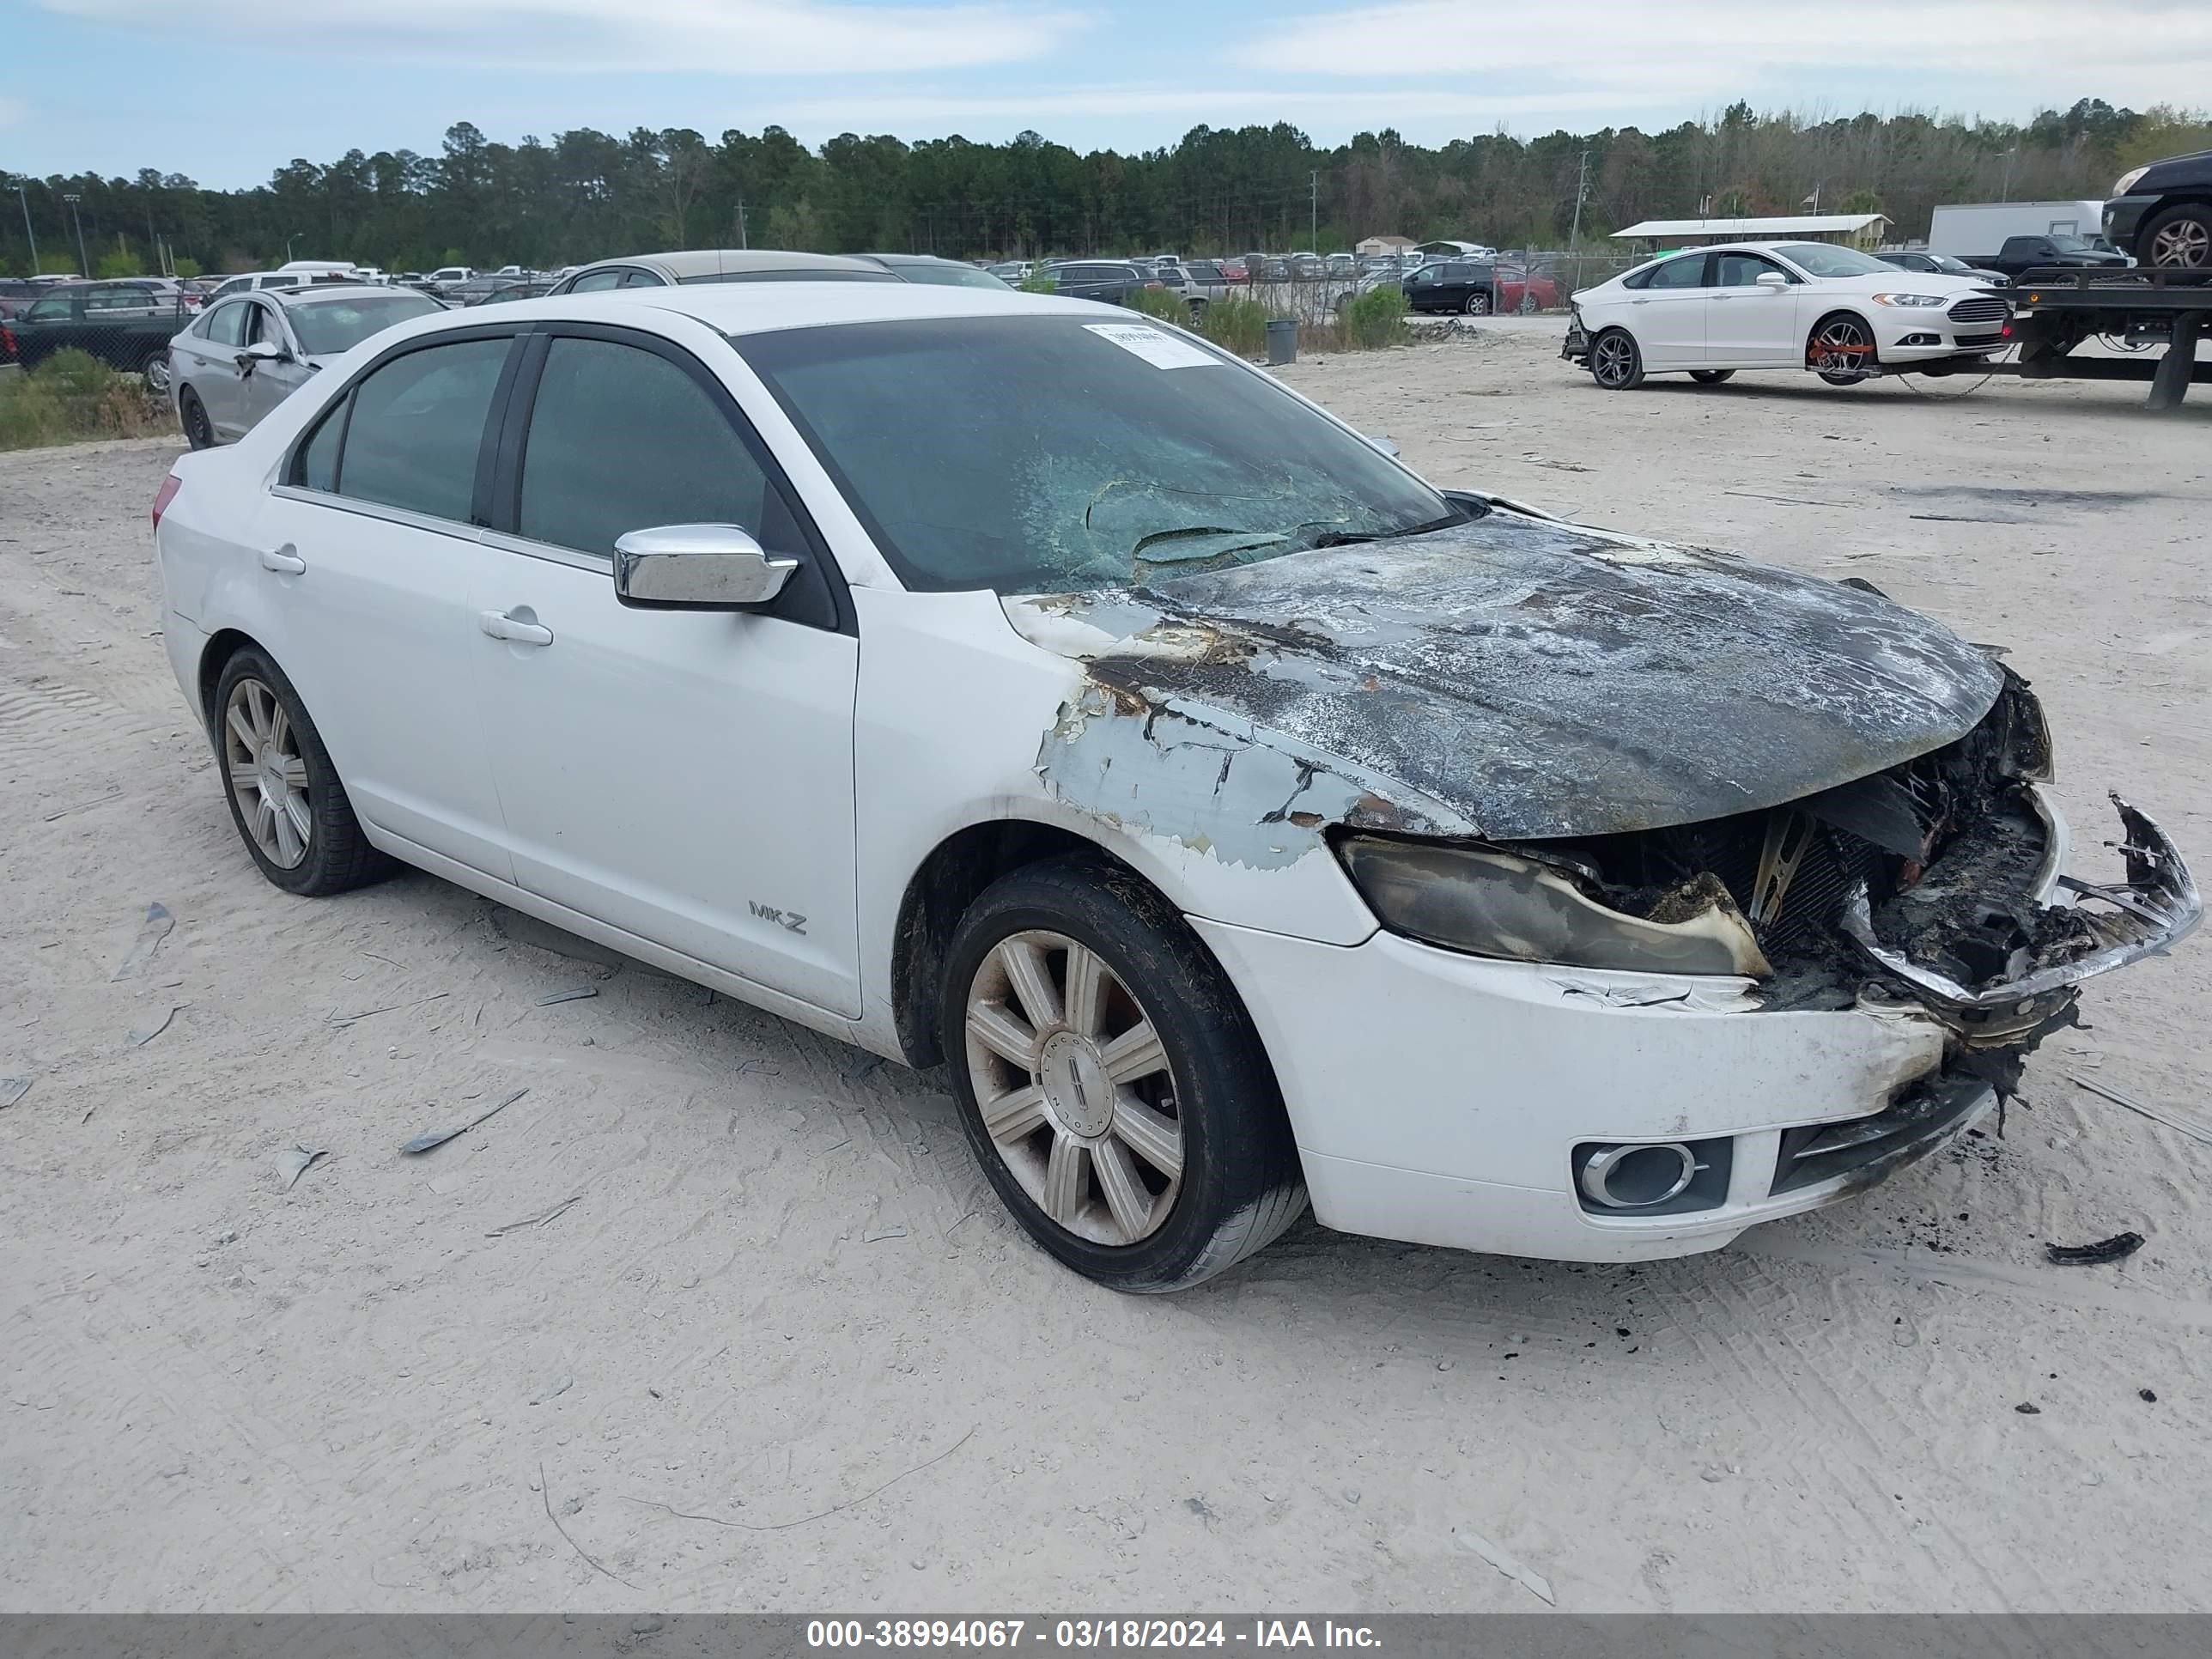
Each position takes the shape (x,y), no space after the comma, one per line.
(1518,677)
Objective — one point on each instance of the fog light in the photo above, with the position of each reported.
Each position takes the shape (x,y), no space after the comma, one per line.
(1635,1177)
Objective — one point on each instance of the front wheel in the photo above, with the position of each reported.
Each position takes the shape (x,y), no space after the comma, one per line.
(1111,1083)
(1842,352)
(1529,306)
(1710,376)
(2180,238)
(1615,362)
(1478,305)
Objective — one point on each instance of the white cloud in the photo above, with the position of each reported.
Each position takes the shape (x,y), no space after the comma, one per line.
(2014,53)
(12,110)
(712,37)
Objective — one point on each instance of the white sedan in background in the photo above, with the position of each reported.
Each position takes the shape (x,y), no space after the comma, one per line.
(1843,314)
(1008,682)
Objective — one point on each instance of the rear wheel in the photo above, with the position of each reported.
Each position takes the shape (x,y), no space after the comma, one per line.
(1110,1082)
(156,370)
(1842,351)
(1710,376)
(1477,305)
(1529,306)
(2180,237)
(285,797)
(1615,362)
(199,431)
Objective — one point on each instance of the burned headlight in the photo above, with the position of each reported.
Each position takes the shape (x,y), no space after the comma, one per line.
(1491,903)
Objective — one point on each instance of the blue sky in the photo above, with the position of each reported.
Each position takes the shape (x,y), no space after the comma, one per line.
(116,85)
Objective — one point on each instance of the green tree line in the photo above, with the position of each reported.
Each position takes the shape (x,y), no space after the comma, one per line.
(585,194)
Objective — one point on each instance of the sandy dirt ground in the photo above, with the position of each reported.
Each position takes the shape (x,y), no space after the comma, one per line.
(772,1344)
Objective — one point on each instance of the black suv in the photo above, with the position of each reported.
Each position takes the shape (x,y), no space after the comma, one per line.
(2163,213)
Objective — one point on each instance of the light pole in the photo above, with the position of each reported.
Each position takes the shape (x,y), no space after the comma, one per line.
(2005,194)
(83,265)
(28,231)
(288,240)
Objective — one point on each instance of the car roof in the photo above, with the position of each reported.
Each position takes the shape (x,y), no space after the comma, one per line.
(716,262)
(738,308)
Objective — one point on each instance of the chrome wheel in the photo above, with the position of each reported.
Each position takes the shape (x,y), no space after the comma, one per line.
(267,776)
(1529,306)
(157,374)
(2185,242)
(1478,305)
(1074,1087)
(1613,360)
(1843,350)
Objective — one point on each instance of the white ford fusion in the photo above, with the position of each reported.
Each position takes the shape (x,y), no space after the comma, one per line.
(1003,682)
(1843,314)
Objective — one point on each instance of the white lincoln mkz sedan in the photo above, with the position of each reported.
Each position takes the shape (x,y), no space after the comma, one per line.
(1004,682)
(1843,314)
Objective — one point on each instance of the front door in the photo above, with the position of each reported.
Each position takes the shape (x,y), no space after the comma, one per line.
(205,357)
(685,775)
(1747,325)
(1668,314)
(270,381)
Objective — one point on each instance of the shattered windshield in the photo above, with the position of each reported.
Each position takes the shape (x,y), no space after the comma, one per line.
(1044,453)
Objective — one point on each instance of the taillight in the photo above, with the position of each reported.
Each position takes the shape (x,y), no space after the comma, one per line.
(164,496)
(1155,284)
(7,341)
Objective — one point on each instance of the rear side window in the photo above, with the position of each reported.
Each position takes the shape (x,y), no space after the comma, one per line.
(416,427)
(1686,272)
(318,465)
(622,439)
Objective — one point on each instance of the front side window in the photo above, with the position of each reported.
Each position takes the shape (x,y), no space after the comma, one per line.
(595,282)
(226,324)
(622,439)
(1744,270)
(417,425)
(53,309)
(1041,454)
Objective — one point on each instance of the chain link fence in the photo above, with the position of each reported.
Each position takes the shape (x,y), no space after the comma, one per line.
(125,324)
(1524,282)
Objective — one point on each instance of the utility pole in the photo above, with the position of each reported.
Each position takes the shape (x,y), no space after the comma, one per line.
(83,265)
(28,231)
(1313,212)
(1582,191)
(741,219)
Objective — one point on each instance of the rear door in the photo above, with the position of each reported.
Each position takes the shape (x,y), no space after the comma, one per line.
(683,775)
(373,544)
(1668,314)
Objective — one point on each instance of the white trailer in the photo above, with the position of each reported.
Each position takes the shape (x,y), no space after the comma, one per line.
(1969,228)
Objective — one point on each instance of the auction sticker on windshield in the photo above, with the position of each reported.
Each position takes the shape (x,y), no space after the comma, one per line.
(1161,350)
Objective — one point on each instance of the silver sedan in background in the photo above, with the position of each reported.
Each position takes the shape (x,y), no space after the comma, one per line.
(246,354)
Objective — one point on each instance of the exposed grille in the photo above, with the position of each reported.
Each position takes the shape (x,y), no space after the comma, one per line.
(1979,310)
(1870,1148)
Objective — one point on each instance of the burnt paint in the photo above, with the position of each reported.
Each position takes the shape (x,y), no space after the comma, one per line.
(1520,678)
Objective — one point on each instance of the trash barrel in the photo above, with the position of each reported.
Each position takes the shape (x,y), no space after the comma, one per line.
(1283,340)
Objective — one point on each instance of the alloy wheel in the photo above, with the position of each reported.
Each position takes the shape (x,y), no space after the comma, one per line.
(1843,350)
(1074,1087)
(2185,242)
(157,374)
(267,775)
(1613,360)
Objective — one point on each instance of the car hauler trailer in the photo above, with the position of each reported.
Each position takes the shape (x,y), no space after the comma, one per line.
(2057,308)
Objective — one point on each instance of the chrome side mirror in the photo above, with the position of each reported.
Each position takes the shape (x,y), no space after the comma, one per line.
(696,567)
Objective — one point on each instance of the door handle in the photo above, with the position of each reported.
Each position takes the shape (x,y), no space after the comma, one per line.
(1639,302)
(284,560)
(501,626)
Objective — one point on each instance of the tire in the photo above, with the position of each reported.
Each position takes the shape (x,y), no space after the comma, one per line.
(1710,376)
(1838,340)
(1615,361)
(157,370)
(199,431)
(1528,308)
(2179,237)
(266,745)
(1197,312)
(1477,305)
(1206,1173)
